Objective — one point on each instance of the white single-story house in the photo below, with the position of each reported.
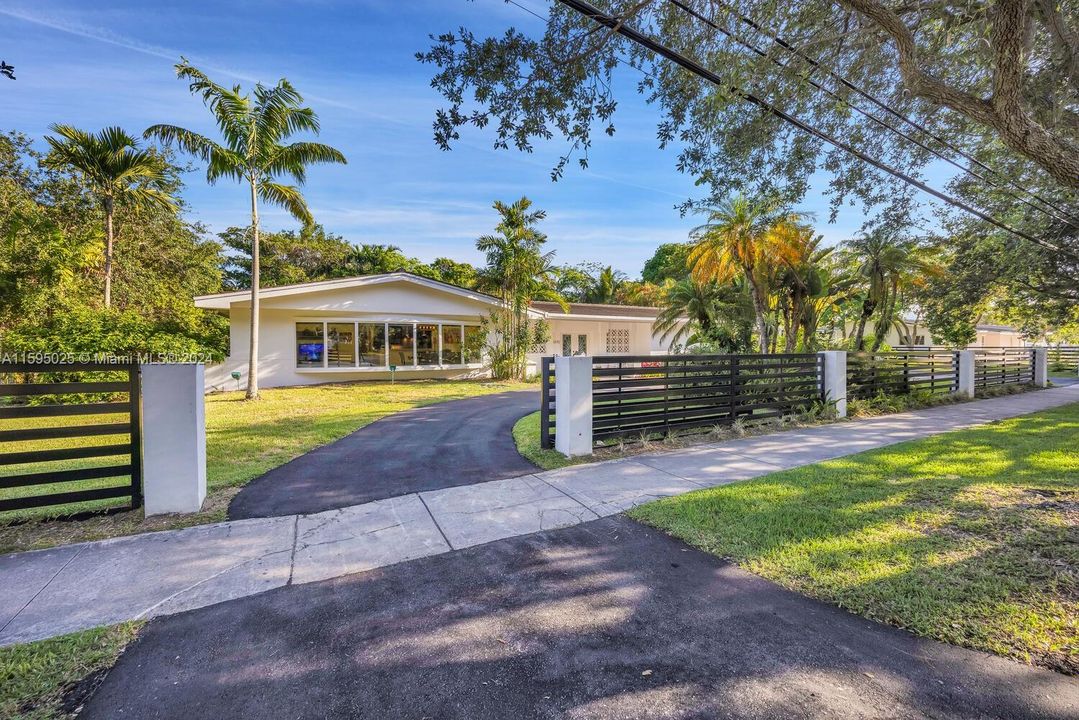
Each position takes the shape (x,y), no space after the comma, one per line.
(917,335)
(359,328)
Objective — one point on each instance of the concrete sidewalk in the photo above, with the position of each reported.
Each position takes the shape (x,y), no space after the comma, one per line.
(50,592)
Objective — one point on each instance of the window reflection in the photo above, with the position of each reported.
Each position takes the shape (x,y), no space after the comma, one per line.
(310,347)
(372,344)
(474,341)
(451,345)
(401,345)
(340,345)
(427,344)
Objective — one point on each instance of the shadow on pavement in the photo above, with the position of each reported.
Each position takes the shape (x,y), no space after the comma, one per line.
(604,620)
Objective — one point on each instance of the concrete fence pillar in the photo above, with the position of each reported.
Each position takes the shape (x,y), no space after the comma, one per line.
(573,405)
(1041,367)
(966,374)
(834,383)
(173,438)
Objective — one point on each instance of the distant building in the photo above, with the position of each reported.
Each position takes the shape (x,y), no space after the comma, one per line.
(918,335)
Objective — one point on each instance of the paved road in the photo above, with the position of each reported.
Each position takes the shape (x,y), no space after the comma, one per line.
(460,442)
(604,620)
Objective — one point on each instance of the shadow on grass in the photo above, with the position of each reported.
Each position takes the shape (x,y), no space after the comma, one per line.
(968,537)
(604,620)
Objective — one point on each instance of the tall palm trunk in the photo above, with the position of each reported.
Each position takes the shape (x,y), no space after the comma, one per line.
(109,238)
(760,309)
(868,306)
(253,359)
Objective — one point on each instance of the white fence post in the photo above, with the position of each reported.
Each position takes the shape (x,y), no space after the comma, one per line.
(573,405)
(173,438)
(966,374)
(1041,367)
(835,380)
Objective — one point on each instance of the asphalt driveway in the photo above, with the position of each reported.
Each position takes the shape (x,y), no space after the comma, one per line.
(600,621)
(459,442)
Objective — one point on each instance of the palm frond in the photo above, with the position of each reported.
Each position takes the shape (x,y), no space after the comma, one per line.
(287,197)
(292,159)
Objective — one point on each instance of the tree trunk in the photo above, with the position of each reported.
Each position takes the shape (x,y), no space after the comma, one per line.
(859,336)
(760,309)
(109,238)
(253,359)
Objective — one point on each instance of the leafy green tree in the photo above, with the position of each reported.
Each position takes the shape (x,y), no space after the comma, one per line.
(254,131)
(745,239)
(461,274)
(606,286)
(707,312)
(287,257)
(517,271)
(995,80)
(669,262)
(888,265)
(50,247)
(116,172)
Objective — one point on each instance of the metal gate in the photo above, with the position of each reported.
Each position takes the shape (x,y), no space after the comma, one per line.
(51,417)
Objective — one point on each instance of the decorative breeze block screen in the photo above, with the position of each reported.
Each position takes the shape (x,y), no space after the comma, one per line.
(618,340)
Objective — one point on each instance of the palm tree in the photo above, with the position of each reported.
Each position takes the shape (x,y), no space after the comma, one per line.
(706,310)
(253,131)
(606,286)
(518,271)
(887,265)
(744,238)
(116,171)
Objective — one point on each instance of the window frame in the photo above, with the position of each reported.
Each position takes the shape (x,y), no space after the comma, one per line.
(462,327)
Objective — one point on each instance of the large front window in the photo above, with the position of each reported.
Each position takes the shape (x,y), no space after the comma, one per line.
(402,348)
(372,343)
(474,339)
(310,348)
(427,344)
(341,345)
(452,347)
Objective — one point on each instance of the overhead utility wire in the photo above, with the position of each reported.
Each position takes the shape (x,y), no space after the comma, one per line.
(831,93)
(813,62)
(618,26)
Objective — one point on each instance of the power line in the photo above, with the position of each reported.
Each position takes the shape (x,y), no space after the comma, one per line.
(617,25)
(815,64)
(831,93)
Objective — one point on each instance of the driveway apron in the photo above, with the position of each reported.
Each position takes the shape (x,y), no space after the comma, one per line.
(460,442)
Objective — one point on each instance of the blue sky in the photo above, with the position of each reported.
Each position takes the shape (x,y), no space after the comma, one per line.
(110,63)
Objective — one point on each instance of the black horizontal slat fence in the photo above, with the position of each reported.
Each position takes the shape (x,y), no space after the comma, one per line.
(1003,366)
(69,433)
(1064,357)
(547,426)
(901,372)
(649,394)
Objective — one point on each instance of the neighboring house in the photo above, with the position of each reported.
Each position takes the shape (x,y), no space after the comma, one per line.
(593,329)
(918,335)
(357,328)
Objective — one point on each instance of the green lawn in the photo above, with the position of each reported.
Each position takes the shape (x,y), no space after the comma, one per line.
(526,434)
(971,537)
(243,440)
(50,679)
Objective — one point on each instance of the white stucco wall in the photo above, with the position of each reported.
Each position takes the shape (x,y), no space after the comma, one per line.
(398,302)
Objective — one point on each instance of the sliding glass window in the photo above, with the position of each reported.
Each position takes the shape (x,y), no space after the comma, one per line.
(474,342)
(402,348)
(372,344)
(340,345)
(451,345)
(310,348)
(427,344)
